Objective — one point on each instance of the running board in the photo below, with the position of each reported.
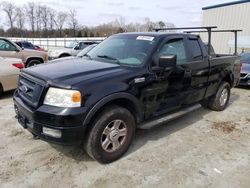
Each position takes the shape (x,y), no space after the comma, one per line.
(169,117)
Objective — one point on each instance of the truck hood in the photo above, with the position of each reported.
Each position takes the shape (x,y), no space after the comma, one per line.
(33,52)
(67,72)
(245,68)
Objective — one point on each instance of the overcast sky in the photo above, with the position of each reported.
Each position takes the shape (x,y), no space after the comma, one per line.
(95,12)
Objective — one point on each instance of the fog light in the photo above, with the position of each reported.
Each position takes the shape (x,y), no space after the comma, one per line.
(52,132)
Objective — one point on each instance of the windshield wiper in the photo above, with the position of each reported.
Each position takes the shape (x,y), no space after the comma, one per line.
(86,55)
(109,57)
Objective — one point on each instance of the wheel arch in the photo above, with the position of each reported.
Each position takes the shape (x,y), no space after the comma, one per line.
(125,100)
(64,55)
(229,77)
(33,58)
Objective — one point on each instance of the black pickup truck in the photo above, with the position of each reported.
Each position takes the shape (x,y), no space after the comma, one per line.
(129,81)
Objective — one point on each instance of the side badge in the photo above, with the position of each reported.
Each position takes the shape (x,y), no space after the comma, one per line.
(139,80)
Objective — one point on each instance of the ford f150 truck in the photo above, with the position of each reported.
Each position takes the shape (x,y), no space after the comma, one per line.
(129,81)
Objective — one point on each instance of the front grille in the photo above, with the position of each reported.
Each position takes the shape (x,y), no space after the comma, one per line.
(30,89)
(243,75)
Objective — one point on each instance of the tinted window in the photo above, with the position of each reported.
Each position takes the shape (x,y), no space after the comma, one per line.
(82,45)
(28,45)
(195,49)
(175,47)
(6,46)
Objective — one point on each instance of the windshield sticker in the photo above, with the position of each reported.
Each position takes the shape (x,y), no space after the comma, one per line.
(148,38)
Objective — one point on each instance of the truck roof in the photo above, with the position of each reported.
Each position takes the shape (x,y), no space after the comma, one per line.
(156,34)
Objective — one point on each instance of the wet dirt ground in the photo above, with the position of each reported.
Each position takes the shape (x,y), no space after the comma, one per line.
(201,149)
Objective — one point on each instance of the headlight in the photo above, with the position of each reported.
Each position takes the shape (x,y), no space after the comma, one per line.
(63,98)
(46,57)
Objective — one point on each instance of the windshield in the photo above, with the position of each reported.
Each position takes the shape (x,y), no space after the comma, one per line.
(245,58)
(124,49)
(86,50)
(71,45)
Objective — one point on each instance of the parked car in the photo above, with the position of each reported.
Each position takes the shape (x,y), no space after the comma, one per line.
(129,81)
(39,48)
(81,54)
(72,50)
(86,50)
(245,69)
(28,57)
(9,73)
(28,45)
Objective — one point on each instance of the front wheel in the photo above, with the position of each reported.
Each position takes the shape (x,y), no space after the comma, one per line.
(33,62)
(220,100)
(111,134)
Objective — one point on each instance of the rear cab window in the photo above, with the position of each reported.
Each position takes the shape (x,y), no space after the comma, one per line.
(195,49)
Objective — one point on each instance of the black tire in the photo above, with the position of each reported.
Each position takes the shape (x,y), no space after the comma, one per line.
(94,141)
(1,90)
(33,63)
(214,102)
(64,55)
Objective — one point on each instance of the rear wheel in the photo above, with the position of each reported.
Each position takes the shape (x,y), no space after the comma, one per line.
(220,100)
(111,134)
(33,63)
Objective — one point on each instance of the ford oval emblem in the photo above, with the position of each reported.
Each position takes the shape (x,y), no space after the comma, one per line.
(24,89)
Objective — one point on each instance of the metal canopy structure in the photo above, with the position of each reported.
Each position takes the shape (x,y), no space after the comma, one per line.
(223,31)
(208,29)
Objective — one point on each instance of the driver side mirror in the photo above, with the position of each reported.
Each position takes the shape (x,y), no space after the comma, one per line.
(77,47)
(168,60)
(17,50)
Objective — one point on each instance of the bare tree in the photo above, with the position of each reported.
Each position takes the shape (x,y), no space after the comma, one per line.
(38,15)
(52,18)
(161,24)
(20,18)
(44,17)
(72,21)
(9,9)
(30,10)
(60,21)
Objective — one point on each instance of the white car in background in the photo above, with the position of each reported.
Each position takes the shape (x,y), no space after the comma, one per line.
(9,73)
(71,50)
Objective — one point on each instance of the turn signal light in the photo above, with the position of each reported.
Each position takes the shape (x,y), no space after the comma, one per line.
(76,97)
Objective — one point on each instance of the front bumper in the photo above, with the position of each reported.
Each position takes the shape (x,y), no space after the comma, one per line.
(53,57)
(67,121)
(245,80)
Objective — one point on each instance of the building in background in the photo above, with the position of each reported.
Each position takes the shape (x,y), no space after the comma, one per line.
(233,15)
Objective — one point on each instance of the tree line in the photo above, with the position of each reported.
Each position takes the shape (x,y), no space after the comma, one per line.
(34,20)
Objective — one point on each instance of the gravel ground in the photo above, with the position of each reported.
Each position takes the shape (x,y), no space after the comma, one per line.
(201,149)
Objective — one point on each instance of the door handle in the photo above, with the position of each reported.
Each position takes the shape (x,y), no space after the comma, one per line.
(187,73)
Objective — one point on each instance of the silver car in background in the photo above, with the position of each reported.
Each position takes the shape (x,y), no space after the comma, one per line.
(72,50)
(245,69)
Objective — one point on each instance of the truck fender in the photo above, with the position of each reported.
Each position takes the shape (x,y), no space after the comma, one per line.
(110,98)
